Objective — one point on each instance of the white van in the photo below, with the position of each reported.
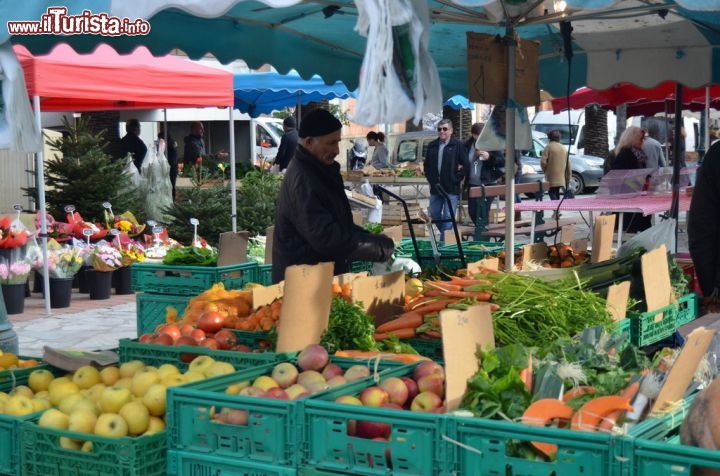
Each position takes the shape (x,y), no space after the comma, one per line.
(571,127)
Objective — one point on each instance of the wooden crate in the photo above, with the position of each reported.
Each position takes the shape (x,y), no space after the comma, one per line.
(394,214)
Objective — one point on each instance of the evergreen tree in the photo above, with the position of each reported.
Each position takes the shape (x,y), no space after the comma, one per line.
(81,174)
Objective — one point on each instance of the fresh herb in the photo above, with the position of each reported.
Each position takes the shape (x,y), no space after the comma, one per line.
(349,327)
(396,346)
(375,228)
(191,256)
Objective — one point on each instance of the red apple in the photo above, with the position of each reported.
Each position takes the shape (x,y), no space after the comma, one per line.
(308,377)
(372,429)
(296,391)
(276,393)
(209,343)
(428,367)
(352,427)
(186,329)
(198,335)
(185,340)
(285,374)
(434,383)
(313,357)
(356,372)
(392,405)
(146,338)
(426,402)
(396,388)
(412,389)
(163,339)
(236,417)
(331,370)
(252,392)
(336,381)
(374,396)
(226,339)
(348,400)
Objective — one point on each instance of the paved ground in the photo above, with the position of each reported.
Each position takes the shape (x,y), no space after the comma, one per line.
(99,324)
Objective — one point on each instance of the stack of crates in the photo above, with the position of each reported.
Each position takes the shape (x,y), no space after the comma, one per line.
(160,286)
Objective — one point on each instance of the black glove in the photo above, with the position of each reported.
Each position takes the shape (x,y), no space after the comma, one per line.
(372,247)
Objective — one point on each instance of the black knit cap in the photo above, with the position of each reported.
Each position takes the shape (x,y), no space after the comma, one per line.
(289,122)
(318,122)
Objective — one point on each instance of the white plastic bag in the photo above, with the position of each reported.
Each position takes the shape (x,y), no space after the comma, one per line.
(661,234)
(375,215)
(156,184)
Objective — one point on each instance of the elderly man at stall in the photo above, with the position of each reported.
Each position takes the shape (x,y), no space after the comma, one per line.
(313,220)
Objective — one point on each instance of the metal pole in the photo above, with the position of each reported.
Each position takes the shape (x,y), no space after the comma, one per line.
(675,203)
(40,177)
(233,185)
(510,153)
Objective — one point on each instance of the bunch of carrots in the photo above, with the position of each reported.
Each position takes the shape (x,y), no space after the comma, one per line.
(420,318)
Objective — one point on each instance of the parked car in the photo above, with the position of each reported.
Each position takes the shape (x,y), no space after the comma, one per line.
(587,170)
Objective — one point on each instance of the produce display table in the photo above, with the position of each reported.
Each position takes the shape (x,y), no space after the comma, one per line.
(645,204)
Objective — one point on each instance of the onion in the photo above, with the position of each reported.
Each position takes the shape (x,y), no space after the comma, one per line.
(226,339)
(211,321)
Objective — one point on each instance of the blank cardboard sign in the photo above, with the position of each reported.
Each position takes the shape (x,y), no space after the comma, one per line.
(232,248)
(656,279)
(306,305)
(617,300)
(463,332)
(536,253)
(479,267)
(603,232)
(269,232)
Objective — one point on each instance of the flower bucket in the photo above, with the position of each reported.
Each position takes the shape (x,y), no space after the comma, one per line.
(99,283)
(122,280)
(60,292)
(14,297)
(82,276)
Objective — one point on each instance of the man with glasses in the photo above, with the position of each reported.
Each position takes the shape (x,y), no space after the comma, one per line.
(446,164)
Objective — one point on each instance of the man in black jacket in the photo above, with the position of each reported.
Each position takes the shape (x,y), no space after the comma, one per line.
(446,164)
(704,228)
(288,143)
(132,144)
(194,144)
(313,220)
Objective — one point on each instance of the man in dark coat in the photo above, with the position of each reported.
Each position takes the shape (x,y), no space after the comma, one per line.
(704,228)
(194,144)
(446,164)
(288,143)
(132,144)
(313,220)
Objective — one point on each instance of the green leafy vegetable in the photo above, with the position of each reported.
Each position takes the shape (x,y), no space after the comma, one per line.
(375,228)
(191,256)
(349,327)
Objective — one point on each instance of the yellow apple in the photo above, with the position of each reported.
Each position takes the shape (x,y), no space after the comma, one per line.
(53,418)
(60,388)
(87,446)
(40,404)
(82,420)
(194,375)
(128,369)
(95,392)
(142,380)
(137,417)
(40,379)
(235,388)
(201,363)
(111,425)
(265,382)
(219,368)
(41,394)
(174,379)
(67,403)
(86,376)
(87,404)
(155,425)
(22,390)
(155,399)
(110,375)
(4,397)
(113,398)
(18,405)
(167,369)
(125,382)
(69,443)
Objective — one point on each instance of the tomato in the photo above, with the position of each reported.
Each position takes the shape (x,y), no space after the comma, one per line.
(211,321)
(146,338)
(187,329)
(170,329)
(209,343)
(163,339)
(225,338)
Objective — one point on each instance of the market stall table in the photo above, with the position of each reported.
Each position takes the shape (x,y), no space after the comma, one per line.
(645,204)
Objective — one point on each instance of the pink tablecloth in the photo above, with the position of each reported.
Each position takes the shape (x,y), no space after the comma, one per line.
(646,204)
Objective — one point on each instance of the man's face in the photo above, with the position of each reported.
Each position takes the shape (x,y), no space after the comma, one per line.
(198,130)
(324,148)
(444,131)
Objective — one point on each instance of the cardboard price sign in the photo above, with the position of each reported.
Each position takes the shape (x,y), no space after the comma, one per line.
(232,248)
(617,300)
(381,296)
(488,70)
(656,279)
(463,332)
(306,306)
(603,233)
(479,267)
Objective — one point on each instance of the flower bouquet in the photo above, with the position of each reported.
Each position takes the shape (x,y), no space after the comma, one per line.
(125,223)
(12,236)
(131,253)
(57,230)
(104,257)
(63,261)
(78,225)
(14,273)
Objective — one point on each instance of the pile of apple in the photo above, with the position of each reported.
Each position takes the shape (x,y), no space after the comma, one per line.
(216,338)
(423,392)
(313,373)
(117,401)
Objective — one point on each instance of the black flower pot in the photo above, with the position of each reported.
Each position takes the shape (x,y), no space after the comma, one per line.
(99,283)
(14,297)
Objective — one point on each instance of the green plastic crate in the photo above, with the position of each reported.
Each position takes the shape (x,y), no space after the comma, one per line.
(264,274)
(646,331)
(127,456)
(483,447)
(189,280)
(360,266)
(416,445)
(151,309)
(181,356)
(431,348)
(624,325)
(272,435)
(186,463)
(477,250)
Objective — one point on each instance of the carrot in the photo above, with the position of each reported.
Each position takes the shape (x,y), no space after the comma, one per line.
(577,391)
(443,285)
(589,416)
(436,306)
(547,412)
(468,281)
(494,307)
(408,319)
(526,374)
(420,300)
(479,295)
(432,334)
(403,333)
(365,354)
(434,292)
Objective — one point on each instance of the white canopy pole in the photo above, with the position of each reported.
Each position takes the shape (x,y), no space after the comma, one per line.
(510,154)
(233,185)
(40,182)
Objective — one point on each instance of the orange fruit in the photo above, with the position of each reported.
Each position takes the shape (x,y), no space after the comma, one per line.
(7,360)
